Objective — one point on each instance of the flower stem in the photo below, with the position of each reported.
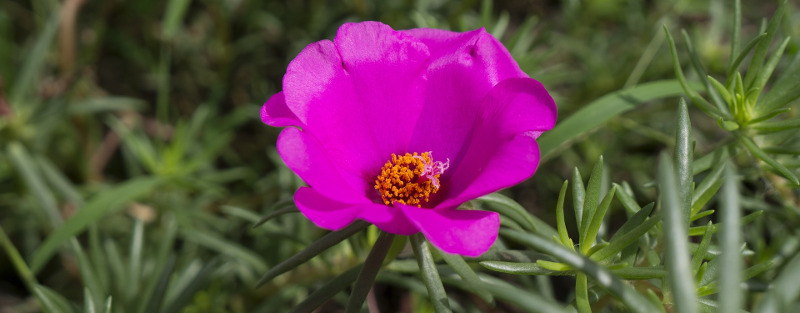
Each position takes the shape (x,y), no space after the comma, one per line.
(430,275)
(16,259)
(367,275)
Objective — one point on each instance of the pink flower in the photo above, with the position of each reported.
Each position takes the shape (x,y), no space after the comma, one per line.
(399,128)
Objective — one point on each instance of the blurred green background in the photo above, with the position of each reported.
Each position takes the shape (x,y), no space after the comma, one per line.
(139,120)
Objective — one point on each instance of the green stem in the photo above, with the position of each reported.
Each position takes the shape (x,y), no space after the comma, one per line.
(582,293)
(16,259)
(430,276)
(367,275)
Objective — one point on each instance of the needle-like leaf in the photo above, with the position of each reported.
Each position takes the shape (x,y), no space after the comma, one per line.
(430,275)
(675,235)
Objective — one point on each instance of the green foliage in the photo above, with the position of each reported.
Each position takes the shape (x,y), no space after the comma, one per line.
(738,104)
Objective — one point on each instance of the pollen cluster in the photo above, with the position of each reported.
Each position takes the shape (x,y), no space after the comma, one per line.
(408,179)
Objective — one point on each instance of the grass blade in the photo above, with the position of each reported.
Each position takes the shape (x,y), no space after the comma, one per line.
(88,302)
(634,301)
(731,294)
(707,188)
(766,72)
(275,214)
(527,268)
(740,57)
(528,301)
(761,155)
(108,305)
(471,280)
(135,260)
(430,275)
(677,262)
(226,247)
(784,289)
(699,230)
(368,272)
(712,159)
(590,205)
(640,273)
(510,255)
(59,182)
(776,126)
(582,294)
(634,221)
(561,225)
(105,104)
(687,87)
(93,287)
(176,10)
(524,268)
(187,291)
(784,90)
(578,197)
(22,161)
(35,61)
(748,273)
(627,200)
(156,298)
(330,289)
(603,109)
(51,301)
(736,36)
(508,207)
(618,243)
(702,249)
(486,13)
(683,159)
(116,266)
(698,67)
(760,53)
(17,261)
(597,220)
(313,250)
(99,206)
(499,28)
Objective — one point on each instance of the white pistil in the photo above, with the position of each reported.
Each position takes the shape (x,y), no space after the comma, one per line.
(433,168)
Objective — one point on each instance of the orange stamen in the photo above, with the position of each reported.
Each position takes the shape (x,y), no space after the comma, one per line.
(409,179)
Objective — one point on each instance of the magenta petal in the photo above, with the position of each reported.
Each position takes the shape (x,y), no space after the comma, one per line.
(275,113)
(372,43)
(476,48)
(309,76)
(517,105)
(360,96)
(333,214)
(435,38)
(374,91)
(490,168)
(387,218)
(303,155)
(465,232)
(464,68)
(502,150)
(322,211)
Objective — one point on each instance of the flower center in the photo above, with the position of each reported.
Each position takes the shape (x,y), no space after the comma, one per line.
(410,179)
